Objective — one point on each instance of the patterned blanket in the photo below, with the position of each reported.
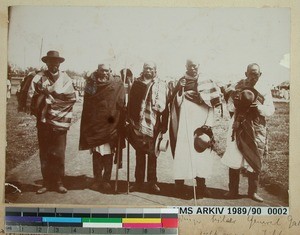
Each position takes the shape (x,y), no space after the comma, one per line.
(145,102)
(249,130)
(54,107)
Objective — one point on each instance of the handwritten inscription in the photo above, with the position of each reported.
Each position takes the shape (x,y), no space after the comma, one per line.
(256,221)
(261,226)
(292,222)
(194,221)
(272,232)
(215,232)
(222,219)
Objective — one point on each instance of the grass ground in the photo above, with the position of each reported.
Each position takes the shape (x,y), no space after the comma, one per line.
(22,140)
(21,134)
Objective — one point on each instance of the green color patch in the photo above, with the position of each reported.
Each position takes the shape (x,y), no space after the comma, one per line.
(102,220)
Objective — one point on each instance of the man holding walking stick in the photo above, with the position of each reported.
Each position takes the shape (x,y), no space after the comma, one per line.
(147,116)
(101,123)
(192,115)
(127,78)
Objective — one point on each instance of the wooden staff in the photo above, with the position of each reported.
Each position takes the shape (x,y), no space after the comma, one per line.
(118,152)
(119,148)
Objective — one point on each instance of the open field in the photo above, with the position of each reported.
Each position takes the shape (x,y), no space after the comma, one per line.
(22,141)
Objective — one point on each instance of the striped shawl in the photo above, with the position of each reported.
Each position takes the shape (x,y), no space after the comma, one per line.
(56,107)
(154,102)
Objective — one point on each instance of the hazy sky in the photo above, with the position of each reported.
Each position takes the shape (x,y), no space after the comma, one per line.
(223,40)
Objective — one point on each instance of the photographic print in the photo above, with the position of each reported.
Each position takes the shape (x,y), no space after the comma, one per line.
(148,106)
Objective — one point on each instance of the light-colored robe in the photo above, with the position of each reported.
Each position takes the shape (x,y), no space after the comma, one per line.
(188,163)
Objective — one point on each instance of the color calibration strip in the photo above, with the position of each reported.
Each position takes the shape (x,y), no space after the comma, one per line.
(91,221)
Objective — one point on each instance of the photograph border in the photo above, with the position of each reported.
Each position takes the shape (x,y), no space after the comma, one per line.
(190,223)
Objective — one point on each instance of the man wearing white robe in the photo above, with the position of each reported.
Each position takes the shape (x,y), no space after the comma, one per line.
(195,110)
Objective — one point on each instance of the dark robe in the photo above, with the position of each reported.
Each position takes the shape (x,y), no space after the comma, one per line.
(103,113)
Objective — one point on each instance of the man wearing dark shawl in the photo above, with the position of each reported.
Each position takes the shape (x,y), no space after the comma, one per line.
(101,122)
(51,98)
(147,116)
(249,102)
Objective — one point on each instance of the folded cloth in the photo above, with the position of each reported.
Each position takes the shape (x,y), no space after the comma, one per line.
(202,91)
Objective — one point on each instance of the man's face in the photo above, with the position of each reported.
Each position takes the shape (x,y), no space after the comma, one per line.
(192,69)
(53,65)
(149,71)
(253,73)
(103,74)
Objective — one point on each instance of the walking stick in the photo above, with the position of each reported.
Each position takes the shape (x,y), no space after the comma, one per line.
(128,153)
(128,144)
(118,151)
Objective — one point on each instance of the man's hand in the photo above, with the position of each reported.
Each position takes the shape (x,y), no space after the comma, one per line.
(182,82)
(207,129)
(45,90)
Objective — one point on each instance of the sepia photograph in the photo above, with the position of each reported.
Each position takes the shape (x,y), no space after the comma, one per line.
(148,106)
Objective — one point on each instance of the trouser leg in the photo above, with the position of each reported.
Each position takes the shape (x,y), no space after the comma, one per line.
(97,166)
(252,183)
(57,151)
(179,189)
(151,170)
(234,180)
(140,167)
(108,163)
(202,191)
(200,183)
(43,138)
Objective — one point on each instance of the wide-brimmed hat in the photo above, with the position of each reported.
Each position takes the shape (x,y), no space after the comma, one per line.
(246,97)
(53,55)
(161,144)
(202,141)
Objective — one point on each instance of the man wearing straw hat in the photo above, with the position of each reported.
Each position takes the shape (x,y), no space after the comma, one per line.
(51,98)
(147,116)
(249,103)
(102,119)
(192,116)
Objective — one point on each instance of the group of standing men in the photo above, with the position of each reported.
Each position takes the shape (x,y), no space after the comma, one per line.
(187,108)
